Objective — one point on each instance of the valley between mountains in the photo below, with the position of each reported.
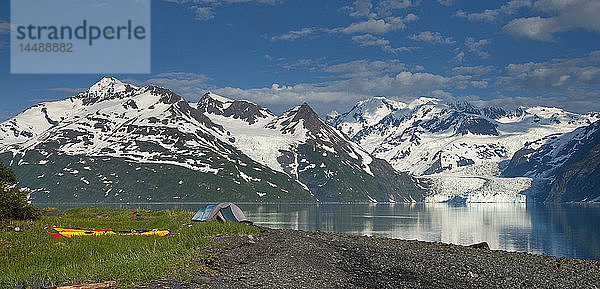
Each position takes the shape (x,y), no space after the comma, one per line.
(116,142)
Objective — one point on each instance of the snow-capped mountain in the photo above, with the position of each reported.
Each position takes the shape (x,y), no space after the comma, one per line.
(427,136)
(564,168)
(303,146)
(119,142)
(459,149)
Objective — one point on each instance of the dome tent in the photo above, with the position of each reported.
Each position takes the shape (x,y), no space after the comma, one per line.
(223,212)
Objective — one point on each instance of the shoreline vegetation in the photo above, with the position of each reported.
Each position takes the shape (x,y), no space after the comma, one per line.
(30,257)
(235,255)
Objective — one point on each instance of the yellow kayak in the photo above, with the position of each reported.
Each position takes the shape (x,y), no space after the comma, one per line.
(70,232)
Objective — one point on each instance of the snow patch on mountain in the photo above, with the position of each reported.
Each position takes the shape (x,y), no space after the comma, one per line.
(427,136)
(266,138)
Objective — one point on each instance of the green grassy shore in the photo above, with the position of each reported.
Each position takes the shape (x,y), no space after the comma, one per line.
(33,257)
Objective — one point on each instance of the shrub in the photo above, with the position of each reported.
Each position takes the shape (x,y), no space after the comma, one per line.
(13,200)
(7,176)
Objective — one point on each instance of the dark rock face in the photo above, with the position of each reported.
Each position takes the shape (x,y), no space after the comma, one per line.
(478,126)
(237,109)
(246,111)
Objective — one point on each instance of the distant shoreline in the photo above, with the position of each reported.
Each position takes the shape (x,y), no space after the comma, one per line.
(312,203)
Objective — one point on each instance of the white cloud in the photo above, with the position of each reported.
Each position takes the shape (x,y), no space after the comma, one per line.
(571,77)
(535,28)
(365,68)
(579,104)
(472,70)
(564,15)
(489,15)
(386,7)
(205,9)
(294,34)
(479,83)
(68,89)
(492,15)
(362,8)
(353,81)
(447,2)
(371,40)
(478,46)
(459,57)
(304,63)
(203,13)
(380,26)
(432,37)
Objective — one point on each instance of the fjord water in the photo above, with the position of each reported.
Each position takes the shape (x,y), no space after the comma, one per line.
(564,231)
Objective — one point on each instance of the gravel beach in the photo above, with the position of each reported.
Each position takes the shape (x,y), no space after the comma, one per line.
(298,259)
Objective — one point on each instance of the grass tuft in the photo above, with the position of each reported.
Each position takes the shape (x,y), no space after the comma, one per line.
(31,256)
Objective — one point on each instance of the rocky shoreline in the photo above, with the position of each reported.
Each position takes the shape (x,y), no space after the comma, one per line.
(298,259)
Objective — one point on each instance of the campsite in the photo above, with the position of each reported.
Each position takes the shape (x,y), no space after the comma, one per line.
(31,257)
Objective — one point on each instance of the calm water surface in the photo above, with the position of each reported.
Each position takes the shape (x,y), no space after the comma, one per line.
(567,230)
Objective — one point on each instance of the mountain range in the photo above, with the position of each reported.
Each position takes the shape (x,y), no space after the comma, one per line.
(461,150)
(116,142)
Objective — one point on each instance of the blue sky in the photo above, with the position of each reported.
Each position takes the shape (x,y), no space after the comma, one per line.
(280,53)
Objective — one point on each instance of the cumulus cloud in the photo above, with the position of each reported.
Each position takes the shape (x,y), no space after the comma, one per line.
(303,63)
(459,57)
(371,40)
(574,77)
(68,89)
(492,15)
(294,34)
(205,9)
(535,28)
(386,7)
(361,8)
(379,26)
(203,13)
(365,68)
(578,104)
(477,46)
(432,37)
(352,81)
(357,86)
(447,2)
(472,70)
(479,83)
(562,16)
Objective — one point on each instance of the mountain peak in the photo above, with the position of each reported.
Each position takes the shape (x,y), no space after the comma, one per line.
(107,88)
(423,100)
(106,84)
(216,97)
(291,118)
(303,111)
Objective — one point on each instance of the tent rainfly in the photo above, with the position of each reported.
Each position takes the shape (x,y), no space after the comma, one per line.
(222,212)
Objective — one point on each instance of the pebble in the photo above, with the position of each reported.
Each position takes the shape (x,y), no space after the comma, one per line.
(297,259)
